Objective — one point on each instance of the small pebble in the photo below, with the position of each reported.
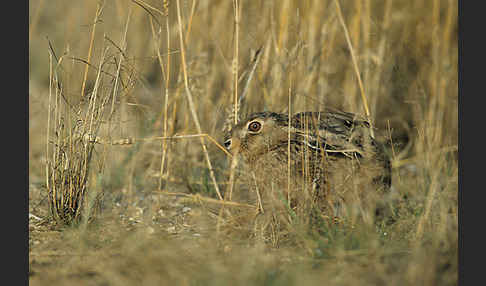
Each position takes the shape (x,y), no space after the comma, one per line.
(227,249)
(36,217)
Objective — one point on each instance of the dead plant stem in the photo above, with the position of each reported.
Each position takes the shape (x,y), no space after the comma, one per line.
(99,8)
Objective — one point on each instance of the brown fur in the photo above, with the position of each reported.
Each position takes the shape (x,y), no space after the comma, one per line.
(334,162)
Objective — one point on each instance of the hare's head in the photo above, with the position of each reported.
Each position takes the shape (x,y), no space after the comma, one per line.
(258,134)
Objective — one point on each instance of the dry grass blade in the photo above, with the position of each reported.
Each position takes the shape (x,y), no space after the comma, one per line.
(131,141)
(257,191)
(191,17)
(120,60)
(166,102)
(234,113)
(234,66)
(191,103)
(254,63)
(99,9)
(166,76)
(202,199)
(248,76)
(47,164)
(440,152)
(355,64)
(148,8)
(234,163)
(289,145)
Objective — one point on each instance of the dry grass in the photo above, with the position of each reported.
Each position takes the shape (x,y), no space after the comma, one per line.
(166,73)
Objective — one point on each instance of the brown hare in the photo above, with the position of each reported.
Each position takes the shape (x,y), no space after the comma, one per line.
(334,160)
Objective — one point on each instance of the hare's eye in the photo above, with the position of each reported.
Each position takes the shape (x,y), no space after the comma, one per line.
(227,143)
(255,126)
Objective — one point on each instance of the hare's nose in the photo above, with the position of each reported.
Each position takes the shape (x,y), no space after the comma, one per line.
(227,143)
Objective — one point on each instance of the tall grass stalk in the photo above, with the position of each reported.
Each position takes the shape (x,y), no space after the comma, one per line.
(191,104)
(99,9)
(355,64)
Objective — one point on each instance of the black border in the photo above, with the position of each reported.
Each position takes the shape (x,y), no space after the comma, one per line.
(460,71)
(471,119)
(15,147)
